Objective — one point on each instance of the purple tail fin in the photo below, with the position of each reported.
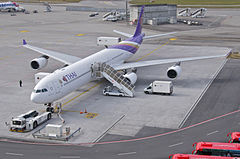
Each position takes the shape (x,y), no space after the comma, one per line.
(139,24)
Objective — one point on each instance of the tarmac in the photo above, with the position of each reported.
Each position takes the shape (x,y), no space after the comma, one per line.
(75,33)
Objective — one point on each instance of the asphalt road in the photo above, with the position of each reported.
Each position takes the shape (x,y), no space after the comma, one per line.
(159,146)
(222,96)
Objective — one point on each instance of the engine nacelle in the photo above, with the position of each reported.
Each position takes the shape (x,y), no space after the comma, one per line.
(132,77)
(174,71)
(39,63)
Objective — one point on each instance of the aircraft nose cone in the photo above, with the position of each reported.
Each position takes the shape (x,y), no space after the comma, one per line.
(34,98)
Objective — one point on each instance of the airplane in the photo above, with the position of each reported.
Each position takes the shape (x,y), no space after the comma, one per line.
(77,72)
(11,6)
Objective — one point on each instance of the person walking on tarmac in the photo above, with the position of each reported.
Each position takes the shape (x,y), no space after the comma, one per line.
(20,83)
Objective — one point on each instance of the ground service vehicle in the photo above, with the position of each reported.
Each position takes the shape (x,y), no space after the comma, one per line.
(108,91)
(93,14)
(189,156)
(234,137)
(28,121)
(160,87)
(108,41)
(11,6)
(217,149)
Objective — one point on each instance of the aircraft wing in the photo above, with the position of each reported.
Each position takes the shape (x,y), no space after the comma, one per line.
(159,62)
(66,59)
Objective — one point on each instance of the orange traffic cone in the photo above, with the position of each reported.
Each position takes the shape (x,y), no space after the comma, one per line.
(81,112)
(85,111)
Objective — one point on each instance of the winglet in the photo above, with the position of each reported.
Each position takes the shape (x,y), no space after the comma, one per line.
(24,42)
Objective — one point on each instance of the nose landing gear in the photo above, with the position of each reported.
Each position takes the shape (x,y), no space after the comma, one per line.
(49,107)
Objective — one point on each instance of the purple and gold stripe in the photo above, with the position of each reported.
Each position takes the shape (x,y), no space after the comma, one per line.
(127,46)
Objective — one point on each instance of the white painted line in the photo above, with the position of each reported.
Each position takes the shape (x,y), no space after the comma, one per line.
(69,156)
(212,133)
(128,153)
(14,154)
(180,143)
(111,126)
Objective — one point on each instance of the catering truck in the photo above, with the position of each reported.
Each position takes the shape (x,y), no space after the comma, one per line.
(108,41)
(28,121)
(160,87)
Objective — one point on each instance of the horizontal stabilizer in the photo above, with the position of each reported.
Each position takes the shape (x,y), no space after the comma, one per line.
(122,33)
(158,35)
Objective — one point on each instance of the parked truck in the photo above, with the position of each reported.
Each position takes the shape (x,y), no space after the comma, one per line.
(108,41)
(160,87)
(28,121)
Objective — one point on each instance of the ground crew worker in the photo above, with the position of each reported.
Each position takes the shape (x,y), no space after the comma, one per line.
(20,83)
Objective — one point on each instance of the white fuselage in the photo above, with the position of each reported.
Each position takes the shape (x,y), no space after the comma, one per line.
(66,80)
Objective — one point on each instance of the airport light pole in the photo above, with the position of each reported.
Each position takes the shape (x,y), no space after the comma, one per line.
(126,10)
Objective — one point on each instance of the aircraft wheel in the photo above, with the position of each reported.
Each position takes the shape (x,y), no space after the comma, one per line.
(49,116)
(35,125)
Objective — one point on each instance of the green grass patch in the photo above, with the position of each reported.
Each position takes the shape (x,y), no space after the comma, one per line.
(188,2)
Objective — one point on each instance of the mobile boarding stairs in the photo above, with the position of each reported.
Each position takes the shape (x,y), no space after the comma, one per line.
(100,70)
(199,13)
(185,12)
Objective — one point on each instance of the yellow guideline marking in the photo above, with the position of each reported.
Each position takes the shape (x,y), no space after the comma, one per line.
(234,55)
(81,93)
(3,58)
(80,34)
(91,115)
(152,52)
(65,110)
(173,39)
(24,31)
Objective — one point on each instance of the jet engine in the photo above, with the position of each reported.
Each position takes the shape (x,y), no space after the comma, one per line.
(39,63)
(174,71)
(132,77)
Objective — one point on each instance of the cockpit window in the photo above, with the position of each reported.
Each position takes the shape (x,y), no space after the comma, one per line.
(44,90)
(40,90)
